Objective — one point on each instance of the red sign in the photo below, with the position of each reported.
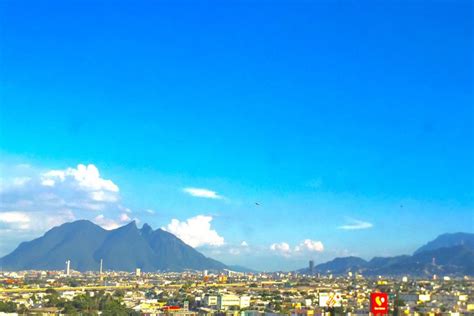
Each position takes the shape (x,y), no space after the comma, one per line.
(379,303)
(173,308)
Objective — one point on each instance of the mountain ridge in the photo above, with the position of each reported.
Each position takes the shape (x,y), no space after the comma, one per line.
(451,254)
(123,249)
(448,240)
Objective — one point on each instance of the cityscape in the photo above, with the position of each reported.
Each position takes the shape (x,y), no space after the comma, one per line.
(237,157)
(227,293)
(343,286)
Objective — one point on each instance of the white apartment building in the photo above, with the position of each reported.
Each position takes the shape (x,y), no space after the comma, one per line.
(224,301)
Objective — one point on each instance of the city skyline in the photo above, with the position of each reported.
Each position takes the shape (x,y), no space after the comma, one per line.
(262,135)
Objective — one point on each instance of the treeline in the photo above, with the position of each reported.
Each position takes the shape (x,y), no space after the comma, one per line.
(86,304)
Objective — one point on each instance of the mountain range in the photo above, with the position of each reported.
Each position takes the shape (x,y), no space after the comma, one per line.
(123,249)
(448,254)
(129,247)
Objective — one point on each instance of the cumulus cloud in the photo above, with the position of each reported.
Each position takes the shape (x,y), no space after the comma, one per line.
(84,178)
(238,250)
(195,231)
(124,217)
(16,221)
(34,200)
(202,193)
(282,248)
(244,244)
(106,223)
(310,245)
(110,223)
(73,189)
(356,224)
(306,246)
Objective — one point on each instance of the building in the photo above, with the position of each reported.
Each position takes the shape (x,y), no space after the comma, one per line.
(244,301)
(210,300)
(311,266)
(68,267)
(224,301)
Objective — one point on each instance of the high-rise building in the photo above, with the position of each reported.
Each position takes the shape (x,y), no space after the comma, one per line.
(68,267)
(138,272)
(311,266)
(101,261)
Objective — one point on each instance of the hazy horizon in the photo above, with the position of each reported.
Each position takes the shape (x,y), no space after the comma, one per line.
(262,134)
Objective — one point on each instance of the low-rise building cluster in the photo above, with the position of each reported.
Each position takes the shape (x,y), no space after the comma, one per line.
(194,293)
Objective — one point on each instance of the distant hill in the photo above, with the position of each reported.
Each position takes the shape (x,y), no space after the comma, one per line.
(457,260)
(448,240)
(124,249)
(449,254)
(341,265)
(238,268)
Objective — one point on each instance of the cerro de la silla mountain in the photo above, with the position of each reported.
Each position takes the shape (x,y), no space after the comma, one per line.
(123,249)
(129,247)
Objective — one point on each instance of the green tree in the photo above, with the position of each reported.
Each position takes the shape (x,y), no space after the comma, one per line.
(7,307)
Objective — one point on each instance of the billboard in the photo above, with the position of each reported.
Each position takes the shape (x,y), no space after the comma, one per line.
(378,303)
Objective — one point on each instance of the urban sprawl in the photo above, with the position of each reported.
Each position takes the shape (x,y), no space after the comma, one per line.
(227,293)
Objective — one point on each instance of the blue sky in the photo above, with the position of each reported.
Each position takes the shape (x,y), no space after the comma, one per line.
(331,115)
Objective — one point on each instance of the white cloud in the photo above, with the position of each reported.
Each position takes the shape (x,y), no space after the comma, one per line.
(74,189)
(124,217)
(51,197)
(84,178)
(110,223)
(282,248)
(19,220)
(356,224)
(202,193)
(56,219)
(307,245)
(48,178)
(244,244)
(106,223)
(195,231)
(48,182)
(310,245)
(149,211)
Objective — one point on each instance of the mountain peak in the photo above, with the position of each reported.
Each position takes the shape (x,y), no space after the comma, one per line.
(123,249)
(449,254)
(131,225)
(146,229)
(448,240)
(146,226)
